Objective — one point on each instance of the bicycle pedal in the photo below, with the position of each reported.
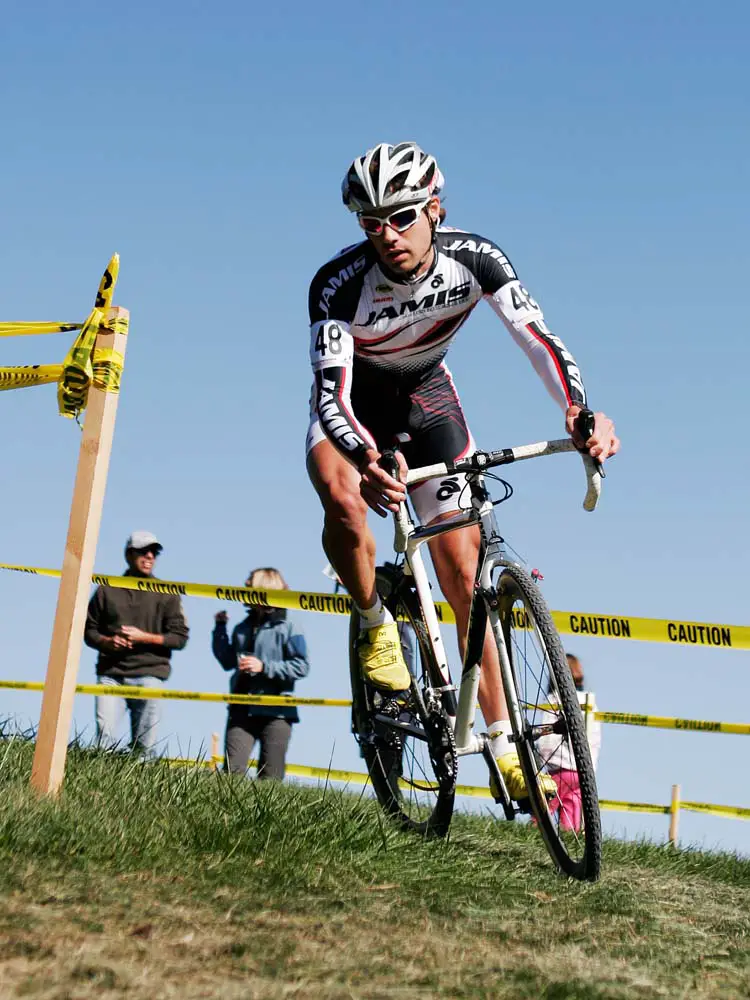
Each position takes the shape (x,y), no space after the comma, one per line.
(392,703)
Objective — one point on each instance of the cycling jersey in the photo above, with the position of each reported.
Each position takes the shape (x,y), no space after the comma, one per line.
(374,337)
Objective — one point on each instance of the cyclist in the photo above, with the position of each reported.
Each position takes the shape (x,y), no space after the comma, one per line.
(383,313)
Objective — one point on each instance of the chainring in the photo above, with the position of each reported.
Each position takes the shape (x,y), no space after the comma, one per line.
(442,744)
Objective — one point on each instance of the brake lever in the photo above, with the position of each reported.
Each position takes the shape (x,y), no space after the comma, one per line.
(389,463)
(584,425)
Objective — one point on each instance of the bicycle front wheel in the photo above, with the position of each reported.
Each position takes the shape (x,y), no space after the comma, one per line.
(412,768)
(553,741)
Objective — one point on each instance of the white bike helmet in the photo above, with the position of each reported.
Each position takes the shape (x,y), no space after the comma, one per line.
(390,175)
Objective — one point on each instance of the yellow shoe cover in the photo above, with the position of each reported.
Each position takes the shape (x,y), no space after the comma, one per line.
(510,768)
(382,659)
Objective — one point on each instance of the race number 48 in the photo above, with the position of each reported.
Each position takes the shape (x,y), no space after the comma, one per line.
(521,299)
(328,340)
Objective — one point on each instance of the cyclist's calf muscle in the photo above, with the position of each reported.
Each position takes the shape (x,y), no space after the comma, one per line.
(347,539)
(454,556)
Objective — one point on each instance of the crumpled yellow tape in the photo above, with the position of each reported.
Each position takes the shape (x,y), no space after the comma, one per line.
(77,370)
(107,366)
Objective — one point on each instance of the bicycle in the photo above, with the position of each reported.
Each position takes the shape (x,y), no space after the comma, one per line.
(411,742)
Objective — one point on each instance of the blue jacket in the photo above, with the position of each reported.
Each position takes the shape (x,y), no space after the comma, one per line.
(278,644)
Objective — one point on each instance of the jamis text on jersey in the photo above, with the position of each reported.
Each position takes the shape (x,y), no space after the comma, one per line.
(435,300)
(337,280)
(482,247)
(335,422)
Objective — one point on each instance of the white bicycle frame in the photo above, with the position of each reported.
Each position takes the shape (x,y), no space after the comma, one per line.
(409,538)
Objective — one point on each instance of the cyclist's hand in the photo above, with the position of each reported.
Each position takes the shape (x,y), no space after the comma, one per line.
(603,443)
(380,491)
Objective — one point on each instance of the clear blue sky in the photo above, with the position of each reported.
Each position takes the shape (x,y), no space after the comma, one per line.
(604,147)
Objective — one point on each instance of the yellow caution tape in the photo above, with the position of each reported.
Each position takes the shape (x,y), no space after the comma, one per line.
(32,570)
(661,722)
(653,630)
(33,329)
(79,369)
(196,762)
(119,324)
(107,285)
(169,694)
(330,774)
(639,807)
(106,368)
(567,622)
(357,776)
(737,812)
(474,791)
(21,376)
(482,792)
(619,718)
(107,364)
(78,373)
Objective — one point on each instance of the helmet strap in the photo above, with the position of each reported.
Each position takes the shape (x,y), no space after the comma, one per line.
(412,277)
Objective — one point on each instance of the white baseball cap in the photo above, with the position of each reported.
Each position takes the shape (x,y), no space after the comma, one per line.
(143,540)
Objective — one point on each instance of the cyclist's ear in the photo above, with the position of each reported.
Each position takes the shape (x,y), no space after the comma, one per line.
(435,212)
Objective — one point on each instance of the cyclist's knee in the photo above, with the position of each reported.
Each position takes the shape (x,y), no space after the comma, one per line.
(455,558)
(457,583)
(345,510)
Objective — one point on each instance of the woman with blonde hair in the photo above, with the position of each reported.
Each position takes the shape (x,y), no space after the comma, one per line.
(266,654)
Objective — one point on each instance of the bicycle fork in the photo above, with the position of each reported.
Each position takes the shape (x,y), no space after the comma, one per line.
(485,609)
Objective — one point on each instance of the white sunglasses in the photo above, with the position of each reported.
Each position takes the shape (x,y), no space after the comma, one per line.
(400,220)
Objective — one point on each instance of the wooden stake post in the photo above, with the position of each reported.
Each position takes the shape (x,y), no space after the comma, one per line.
(78,564)
(674,815)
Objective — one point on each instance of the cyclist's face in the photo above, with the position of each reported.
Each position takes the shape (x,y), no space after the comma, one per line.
(402,252)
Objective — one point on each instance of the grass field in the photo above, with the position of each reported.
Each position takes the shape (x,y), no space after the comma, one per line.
(156,882)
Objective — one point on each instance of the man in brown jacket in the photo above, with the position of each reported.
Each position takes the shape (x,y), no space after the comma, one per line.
(135,633)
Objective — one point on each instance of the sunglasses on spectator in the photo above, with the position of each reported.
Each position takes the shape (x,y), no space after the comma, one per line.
(400,220)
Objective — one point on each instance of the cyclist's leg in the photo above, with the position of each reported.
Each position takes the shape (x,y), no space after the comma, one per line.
(347,539)
(350,547)
(440,434)
(454,557)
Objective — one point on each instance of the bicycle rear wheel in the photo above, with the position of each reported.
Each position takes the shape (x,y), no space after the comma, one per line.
(413,767)
(553,741)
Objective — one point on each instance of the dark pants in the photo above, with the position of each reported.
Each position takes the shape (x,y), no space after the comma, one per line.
(242,732)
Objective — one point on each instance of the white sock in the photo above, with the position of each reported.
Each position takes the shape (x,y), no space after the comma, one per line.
(378,614)
(498,733)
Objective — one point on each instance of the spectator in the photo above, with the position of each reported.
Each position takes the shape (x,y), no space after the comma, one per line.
(560,763)
(135,633)
(266,655)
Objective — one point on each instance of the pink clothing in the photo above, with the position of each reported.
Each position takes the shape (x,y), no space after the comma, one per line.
(568,799)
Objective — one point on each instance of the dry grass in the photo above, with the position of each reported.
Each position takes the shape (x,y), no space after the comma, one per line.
(144,882)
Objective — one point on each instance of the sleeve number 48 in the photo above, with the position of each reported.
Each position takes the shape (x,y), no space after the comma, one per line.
(329,338)
(521,298)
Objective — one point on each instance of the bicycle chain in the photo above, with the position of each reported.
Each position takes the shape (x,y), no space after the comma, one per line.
(442,742)
(392,708)
(445,762)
